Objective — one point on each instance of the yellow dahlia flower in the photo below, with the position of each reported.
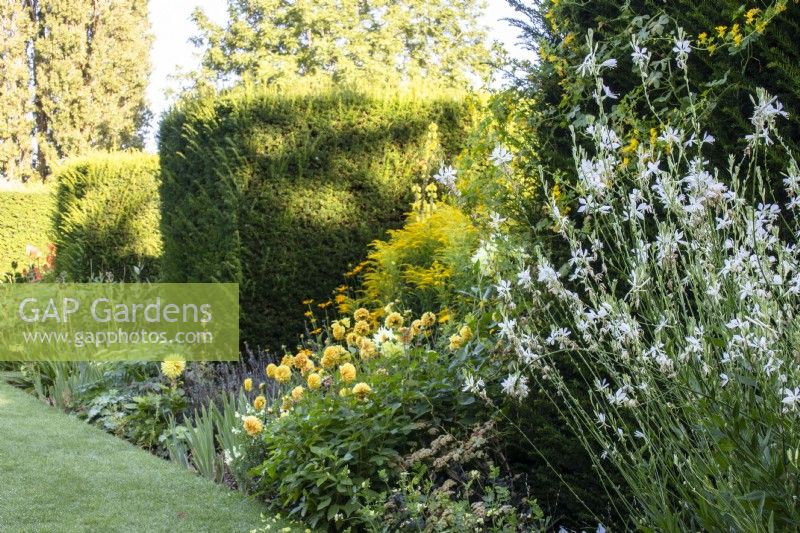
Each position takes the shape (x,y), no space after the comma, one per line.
(347,372)
(259,403)
(361,327)
(283,373)
(297,393)
(362,390)
(252,425)
(314,381)
(248,384)
(428,319)
(394,320)
(173,368)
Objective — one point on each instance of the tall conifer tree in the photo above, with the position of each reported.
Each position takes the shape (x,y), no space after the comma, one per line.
(16,119)
(73,79)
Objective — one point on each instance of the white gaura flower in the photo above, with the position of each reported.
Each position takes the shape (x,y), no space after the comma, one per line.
(524,278)
(608,93)
(507,328)
(588,65)
(601,420)
(447,177)
(682,49)
(791,397)
(495,221)
(500,156)
(473,385)
(384,335)
(609,63)
(671,135)
(558,335)
(547,274)
(504,289)
(516,386)
(640,56)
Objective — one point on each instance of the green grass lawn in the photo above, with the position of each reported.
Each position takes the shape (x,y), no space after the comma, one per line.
(58,473)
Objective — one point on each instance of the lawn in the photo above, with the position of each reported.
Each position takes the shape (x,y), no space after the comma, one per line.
(59,474)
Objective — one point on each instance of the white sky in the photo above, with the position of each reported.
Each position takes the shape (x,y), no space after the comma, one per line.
(173,53)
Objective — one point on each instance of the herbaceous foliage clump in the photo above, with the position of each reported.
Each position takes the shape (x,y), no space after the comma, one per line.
(676,306)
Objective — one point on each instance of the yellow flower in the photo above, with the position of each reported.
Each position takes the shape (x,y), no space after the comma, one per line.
(283,373)
(308,302)
(309,367)
(338,331)
(568,39)
(331,356)
(367,349)
(428,319)
(702,38)
(297,393)
(287,360)
(316,331)
(735,35)
(348,372)
(344,392)
(456,342)
(300,360)
(751,15)
(271,370)
(353,339)
(314,381)
(721,31)
(444,316)
(340,299)
(248,384)
(632,146)
(394,320)
(308,314)
(252,425)
(361,327)
(362,390)
(259,403)
(466,333)
(173,368)
(361,314)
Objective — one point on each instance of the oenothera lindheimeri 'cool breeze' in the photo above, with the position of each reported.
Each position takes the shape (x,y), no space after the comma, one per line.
(81,322)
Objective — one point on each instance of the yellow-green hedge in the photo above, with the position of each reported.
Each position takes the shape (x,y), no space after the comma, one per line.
(25,218)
